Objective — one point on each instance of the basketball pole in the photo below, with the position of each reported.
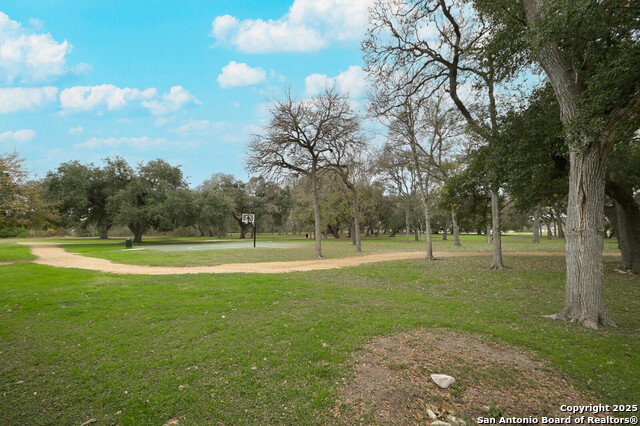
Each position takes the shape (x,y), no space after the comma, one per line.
(254,233)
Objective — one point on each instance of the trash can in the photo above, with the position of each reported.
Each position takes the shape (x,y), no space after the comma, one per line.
(128,243)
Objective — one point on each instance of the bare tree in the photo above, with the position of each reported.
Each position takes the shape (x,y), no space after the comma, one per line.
(394,165)
(344,157)
(298,139)
(438,44)
(406,118)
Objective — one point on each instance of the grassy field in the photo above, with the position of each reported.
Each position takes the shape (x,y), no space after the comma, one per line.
(10,252)
(331,248)
(247,348)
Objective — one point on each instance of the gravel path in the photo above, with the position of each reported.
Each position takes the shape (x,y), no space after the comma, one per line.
(53,255)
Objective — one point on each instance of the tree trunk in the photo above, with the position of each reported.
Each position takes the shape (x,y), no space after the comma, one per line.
(559,224)
(446,228)
(497,232)
(427,228)
(316,208)
(549,229)
(356,219)
(624,238)
(103,232)
(623,195)
(610,213)
(456,230)
(488,233)
(427,216)
(584,302)
(137,231)
(424,197)
(407,221)
(633,223)
(536,224)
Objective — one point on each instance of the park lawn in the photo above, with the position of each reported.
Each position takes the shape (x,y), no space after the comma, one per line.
(304,249)
(247,348)
(11,252)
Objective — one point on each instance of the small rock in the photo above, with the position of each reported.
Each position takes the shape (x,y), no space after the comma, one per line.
(455,420)
(443,380)
(439,423)
(88,422)
(431,414)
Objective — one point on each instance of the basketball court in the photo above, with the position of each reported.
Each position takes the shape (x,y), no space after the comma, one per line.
(221,245)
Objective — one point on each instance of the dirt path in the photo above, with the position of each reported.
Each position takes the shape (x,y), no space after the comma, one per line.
(53,255)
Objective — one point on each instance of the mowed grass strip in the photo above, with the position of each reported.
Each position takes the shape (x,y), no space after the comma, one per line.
(238,348)
(11,252)
(304,250)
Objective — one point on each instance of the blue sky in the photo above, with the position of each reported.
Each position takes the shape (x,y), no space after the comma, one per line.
(186,81)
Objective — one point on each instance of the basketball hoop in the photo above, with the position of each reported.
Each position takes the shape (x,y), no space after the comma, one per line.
(250,218)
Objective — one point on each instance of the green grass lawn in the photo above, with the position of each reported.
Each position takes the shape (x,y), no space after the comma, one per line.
(10,252)
(331,248)
(246,348)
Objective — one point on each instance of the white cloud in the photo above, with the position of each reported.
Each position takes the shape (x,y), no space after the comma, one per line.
(107,97)
(428,32)
(37,24)
(87,98)
(14,99)
(76,130)
(82,68)
(163,121)
(141,143)
(28,57)
(223,26)
(309,25)
(20,136)
(171,102)
(353,81)
(194,126)
(206,131)
(237,75)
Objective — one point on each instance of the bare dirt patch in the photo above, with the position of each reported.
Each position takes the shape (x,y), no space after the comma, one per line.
(392,383)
